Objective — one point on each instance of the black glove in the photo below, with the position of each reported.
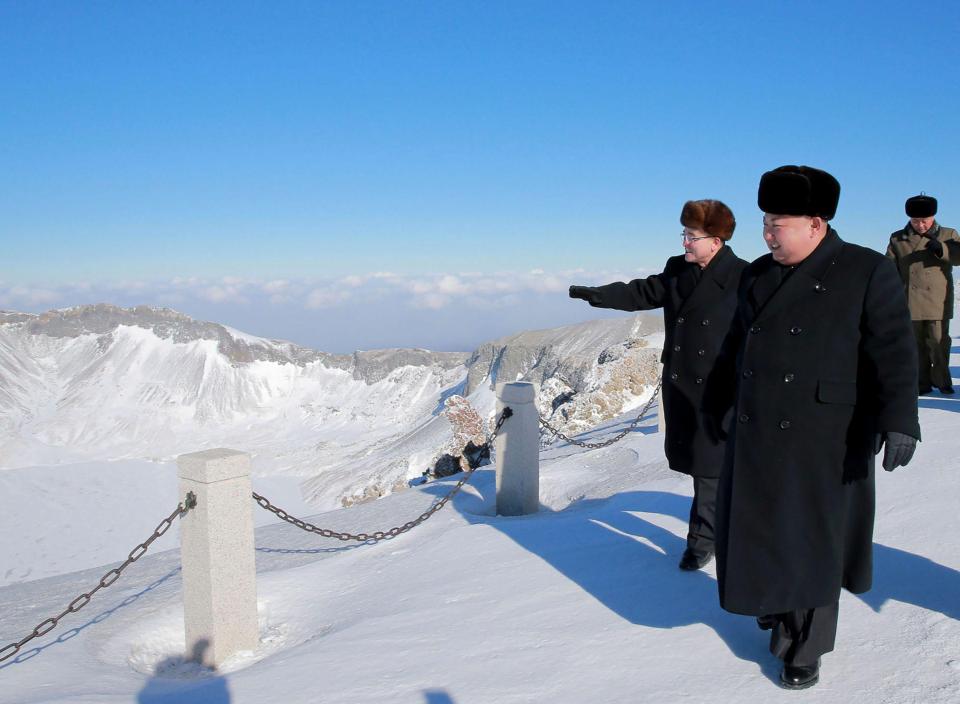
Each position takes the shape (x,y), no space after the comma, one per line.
(899,449)
(587,293)
(935,247)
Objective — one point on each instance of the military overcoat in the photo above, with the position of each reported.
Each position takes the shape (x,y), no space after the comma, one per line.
(813,369)
(697,311)
(927,278)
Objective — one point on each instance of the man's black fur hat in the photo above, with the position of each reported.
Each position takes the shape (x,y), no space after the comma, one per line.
(921,206)
(799,190)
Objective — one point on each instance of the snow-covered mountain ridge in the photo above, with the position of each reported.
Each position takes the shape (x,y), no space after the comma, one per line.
(105,383)
(238,347)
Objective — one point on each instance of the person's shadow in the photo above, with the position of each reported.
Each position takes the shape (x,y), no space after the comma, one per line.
(629,565)
(943,403)
(182,680)
(912,579)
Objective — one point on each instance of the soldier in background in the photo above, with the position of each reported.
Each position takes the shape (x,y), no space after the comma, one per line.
(925,253)
(698,293)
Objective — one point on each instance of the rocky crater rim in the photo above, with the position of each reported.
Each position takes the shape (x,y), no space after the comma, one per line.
(168,324)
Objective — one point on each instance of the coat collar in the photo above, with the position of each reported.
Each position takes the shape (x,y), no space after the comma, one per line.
(908,234)
(809,278)
(717,275)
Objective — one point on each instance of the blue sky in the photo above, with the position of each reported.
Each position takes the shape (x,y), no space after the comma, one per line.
(209,155)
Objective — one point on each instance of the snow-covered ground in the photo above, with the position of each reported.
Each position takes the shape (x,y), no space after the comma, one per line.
(580,603)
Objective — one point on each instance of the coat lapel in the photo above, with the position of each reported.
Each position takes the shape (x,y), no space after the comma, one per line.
(806,280)
(914,241)
(686,283)
(764,285)
(715,278)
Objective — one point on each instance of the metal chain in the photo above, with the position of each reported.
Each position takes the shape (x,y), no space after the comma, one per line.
(382,534)
(109,578)
(618,437)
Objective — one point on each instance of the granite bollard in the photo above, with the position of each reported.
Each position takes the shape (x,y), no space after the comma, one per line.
(217,554)
(518,451)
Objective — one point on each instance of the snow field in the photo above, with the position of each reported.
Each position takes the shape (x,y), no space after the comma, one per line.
(580,603)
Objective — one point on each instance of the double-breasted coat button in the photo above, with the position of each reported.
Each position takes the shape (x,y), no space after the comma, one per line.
(755,329)
(784,424)
(676,348)
(704,322)
(795,330)
(674,376)
(820,288)
(788,377)
(743,418)
(699,379)
(681,320)
(701,352)
(747,373)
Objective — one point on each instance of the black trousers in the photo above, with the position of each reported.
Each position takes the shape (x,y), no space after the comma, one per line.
(945,343)
(703,511)
(933,352)
(801,636)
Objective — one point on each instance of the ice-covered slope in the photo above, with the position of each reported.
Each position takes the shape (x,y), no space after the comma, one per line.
(106,383)
(580,603)
(101,382)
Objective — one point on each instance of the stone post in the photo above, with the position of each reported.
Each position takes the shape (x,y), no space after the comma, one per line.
(518,451)
(217,554)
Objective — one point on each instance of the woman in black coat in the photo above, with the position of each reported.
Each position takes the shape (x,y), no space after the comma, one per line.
(698,294)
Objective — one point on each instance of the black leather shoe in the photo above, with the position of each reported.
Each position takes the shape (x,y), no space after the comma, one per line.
(693,560)
(800,676)
(948,390)
(765,623)
(924,390)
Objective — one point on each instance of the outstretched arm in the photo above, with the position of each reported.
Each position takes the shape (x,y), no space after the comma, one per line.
(639,294)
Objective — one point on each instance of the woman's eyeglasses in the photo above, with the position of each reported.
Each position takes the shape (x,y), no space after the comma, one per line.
(684,237)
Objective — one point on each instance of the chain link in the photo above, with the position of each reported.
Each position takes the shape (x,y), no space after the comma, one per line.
(190,502)
(109,578)
(616,438)
(379,535)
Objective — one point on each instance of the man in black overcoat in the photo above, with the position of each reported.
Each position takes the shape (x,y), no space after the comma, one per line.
(697,291)
(819,371)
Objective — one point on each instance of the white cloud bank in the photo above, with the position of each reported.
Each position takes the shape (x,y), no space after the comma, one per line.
(440,310)
(432,290)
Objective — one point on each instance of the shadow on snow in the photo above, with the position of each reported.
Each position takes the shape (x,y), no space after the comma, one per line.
(629,564)
(180,680)
(943,403)
(102,616)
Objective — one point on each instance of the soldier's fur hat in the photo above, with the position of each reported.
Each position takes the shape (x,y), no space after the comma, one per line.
(799,190)
(921,206)
(711,216)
